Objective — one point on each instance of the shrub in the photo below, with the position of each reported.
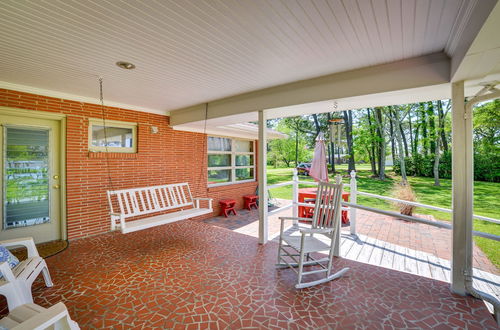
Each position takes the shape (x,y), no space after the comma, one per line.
(405,192)
(486,166)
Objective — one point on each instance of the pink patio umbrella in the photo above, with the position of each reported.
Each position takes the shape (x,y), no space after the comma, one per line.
(319,170)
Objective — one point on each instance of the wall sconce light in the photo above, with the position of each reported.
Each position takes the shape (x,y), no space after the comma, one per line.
(154,130)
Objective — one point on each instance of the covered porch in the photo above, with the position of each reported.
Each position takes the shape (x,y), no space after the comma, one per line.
(204,70)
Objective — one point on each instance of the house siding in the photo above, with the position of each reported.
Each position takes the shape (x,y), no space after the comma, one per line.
(169,156)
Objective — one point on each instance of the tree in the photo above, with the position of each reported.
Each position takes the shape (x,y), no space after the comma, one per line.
(299,125)
(411,131)
(441,123)
(348,132)
(440,138)
(371,152)
(423,125)
(487,127)
(331,147)
(399,137)
(380,125)
(391,132)
(432,126)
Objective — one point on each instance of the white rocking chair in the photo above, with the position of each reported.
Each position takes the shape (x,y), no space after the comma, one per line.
(320,236)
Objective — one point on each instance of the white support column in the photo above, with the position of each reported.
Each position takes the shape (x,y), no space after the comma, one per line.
(295,196)
(462,187)
(353,199)
(262,174)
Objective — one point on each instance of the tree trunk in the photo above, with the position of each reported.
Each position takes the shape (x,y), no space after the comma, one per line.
(296,148)
(436,162)
(331,146)
(416,140)
(348,133)
(432,126)
(423,123)
(441,123)
(373,159)
(440,138)
(399,137)
(316,124)
(382,143)
(393,149)
(411,133)
(328,153)
(405,143)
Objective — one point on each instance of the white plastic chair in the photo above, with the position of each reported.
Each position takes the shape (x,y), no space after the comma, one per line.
(16,282)
(35,317)
(319,236)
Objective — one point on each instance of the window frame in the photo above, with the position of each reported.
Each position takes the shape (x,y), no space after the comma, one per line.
(108,124)
(233,153)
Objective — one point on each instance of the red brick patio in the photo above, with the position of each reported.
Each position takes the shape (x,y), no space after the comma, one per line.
(193,275)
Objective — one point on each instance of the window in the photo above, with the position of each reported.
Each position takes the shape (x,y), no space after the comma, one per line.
(230,161)
(112,136)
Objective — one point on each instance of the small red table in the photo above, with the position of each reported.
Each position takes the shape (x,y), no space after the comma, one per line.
(227,206)
(250,200)
(311,193)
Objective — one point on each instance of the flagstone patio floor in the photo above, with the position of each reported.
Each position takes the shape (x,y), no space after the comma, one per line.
(192,275)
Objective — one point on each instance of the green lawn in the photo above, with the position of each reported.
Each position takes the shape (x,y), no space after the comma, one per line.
(486,199)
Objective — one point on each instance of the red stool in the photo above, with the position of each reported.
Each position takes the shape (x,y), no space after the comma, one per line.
(227,206)
(250,200)
(309,213)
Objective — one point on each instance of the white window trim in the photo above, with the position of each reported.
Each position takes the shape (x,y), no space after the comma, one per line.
(233,166)
(113,123)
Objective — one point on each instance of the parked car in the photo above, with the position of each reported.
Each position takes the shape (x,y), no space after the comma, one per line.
(303,168)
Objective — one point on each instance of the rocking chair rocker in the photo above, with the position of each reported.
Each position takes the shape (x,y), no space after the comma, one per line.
(320,236)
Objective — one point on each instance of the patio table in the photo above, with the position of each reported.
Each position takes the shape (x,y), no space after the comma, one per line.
(311,193)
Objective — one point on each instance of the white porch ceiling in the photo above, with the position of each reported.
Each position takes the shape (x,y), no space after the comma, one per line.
(193,52)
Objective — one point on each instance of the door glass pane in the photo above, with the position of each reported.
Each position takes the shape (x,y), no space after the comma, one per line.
(26,177)
(219,160)
(244,160)
(219,176)
(244,146)
(219,144)
(244,174)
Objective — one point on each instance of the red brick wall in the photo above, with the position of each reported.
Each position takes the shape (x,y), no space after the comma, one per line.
(167,157)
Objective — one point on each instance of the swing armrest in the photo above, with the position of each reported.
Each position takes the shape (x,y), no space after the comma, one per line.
(198,199)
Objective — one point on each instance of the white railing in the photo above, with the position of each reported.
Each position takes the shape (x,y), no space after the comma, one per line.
(352,206)
(480,217)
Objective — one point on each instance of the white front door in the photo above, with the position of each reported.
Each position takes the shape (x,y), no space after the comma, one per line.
(30,178)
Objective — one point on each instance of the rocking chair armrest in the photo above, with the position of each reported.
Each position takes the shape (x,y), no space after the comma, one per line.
(116,214)
(6,272)
(24,241)
(316,230)
(295,218)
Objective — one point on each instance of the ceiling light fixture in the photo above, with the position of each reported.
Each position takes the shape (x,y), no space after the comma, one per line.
(125,65)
